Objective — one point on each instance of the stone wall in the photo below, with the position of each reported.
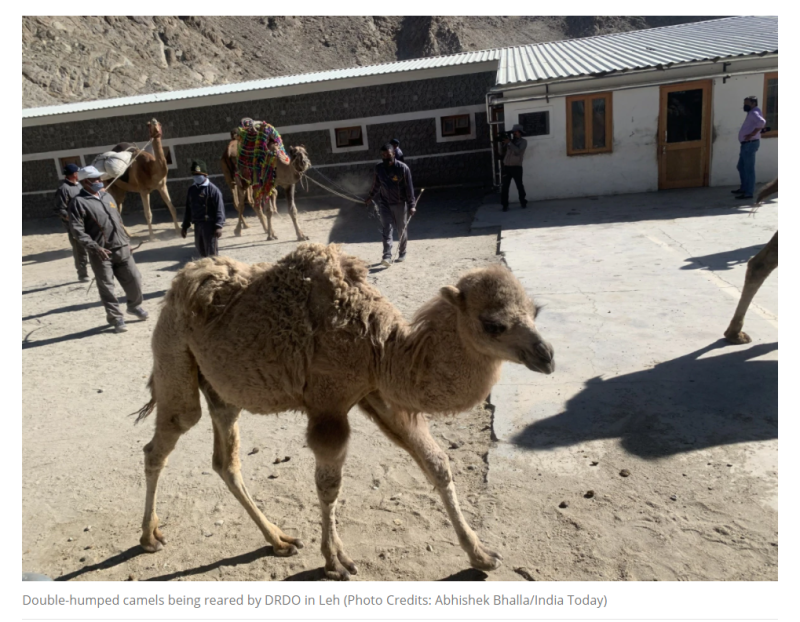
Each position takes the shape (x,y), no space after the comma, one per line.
(368,101)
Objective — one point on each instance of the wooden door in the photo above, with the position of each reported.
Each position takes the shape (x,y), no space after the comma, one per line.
(684,135)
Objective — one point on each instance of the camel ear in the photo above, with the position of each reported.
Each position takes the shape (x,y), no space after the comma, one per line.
(453,296)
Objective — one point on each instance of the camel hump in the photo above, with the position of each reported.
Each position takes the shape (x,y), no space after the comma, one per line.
(125,147)
(204,288)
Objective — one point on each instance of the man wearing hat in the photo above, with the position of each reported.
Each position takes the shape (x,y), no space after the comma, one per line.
(67,190)
(205,209)
(398,153)
(97,225)
(512,150)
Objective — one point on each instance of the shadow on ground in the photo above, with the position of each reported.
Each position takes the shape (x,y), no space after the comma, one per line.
(681,405)
(725,260)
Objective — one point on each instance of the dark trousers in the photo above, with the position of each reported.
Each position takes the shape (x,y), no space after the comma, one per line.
(747,166)
(121,266)
(204,239)
(515,173)
(394,218)
(79,255)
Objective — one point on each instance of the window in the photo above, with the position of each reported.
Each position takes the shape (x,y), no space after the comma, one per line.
(77,160)
(349,137)
(535,123)
(169,154)
(589,128)
(771,104)
(457,125)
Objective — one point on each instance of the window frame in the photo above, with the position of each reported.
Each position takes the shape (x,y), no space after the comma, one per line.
(364,146)
(446,138)
(60,167)
(587,106)
(165,145)
(542,109)
(767,77)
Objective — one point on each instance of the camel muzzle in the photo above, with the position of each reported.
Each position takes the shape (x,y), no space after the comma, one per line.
(541,358)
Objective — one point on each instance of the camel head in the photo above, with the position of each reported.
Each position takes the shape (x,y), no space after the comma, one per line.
(300,160)
(496,317)
(155,129)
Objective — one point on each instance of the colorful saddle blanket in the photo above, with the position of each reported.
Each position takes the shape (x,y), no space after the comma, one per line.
(257,164)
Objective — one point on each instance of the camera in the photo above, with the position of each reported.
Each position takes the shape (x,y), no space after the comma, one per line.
(503,136)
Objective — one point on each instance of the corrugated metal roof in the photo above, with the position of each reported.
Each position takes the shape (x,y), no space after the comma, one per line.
(464,58)
(640,49)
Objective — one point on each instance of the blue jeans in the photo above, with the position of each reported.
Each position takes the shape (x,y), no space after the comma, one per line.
(747,166)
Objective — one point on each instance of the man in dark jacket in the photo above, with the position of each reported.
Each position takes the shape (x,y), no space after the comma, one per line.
(395,191)
(67,190)
(205,209)
(95,220)
(398,153)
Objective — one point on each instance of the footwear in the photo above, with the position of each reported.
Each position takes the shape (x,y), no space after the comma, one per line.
(386,262)
(119,326)
(139,312)
(505,208)
(400,258)
(524,205)
(111,321)
(737,191)
(744,196)
(84,279)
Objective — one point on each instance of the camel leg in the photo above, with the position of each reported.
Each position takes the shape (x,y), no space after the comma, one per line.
(148,214)
(265,222)
(238,203)
(227,465)
(178,409)
(758,269)
(293,213)
(410,431)
(327,438)
(162,190)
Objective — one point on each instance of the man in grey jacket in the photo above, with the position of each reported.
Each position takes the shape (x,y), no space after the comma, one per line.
(512,151)
(67,190)
(95,219)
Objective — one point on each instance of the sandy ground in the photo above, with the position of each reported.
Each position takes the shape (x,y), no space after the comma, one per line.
(83,484)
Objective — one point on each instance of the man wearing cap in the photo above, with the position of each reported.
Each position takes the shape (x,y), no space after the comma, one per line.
(97,225)
(512,151)
(67,190)
(395,191)
(205,209)
(398,153)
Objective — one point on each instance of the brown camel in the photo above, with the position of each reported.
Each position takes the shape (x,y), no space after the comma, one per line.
(310,334)
(288,175)
(147,172)
(758,269)
(228,161)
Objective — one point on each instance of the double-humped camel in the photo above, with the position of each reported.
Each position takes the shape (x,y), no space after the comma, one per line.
(147,172)
(309,333)
(758,269)
(289,170)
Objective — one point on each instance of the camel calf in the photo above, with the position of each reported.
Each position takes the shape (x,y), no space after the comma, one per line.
(311,334)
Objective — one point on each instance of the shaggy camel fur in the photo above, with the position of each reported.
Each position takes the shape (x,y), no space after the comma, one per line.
(147,172)
(758,269)
(228,161)
(310,334)
(287,177)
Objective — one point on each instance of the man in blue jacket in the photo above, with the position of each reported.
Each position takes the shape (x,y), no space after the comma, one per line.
(205,209)
(395,191)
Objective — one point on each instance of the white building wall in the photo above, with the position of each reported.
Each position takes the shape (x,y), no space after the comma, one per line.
(632,166)
(727,119)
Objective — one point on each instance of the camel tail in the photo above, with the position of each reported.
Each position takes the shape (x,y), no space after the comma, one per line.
(148,408)
(767,190)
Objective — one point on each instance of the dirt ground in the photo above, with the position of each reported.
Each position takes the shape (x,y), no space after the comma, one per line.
(83,480)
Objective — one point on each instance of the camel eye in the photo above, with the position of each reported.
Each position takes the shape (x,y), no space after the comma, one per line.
(493,328)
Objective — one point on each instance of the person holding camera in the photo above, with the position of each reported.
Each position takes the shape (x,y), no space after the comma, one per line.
(512,151)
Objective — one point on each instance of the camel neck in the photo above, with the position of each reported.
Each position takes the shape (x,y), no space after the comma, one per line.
(430,368)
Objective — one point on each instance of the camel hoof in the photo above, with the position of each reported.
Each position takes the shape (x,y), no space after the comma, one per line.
(486,559)
(237,233)
(272,237)
(738,339)
(151,546)
(287,550)
(302,238)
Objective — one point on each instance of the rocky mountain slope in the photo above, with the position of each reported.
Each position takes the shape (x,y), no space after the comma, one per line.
(70,59)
